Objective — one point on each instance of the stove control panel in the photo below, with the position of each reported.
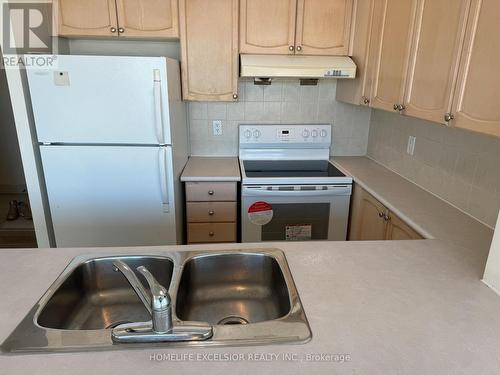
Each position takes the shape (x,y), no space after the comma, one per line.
(294,135)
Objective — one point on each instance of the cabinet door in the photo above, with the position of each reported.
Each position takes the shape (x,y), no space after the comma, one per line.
(87,18)
(148,18)
(323,27)
(267,27)
(357,91)
(391,45)
(367,222)
(476,105)
(435,56)
(399,230)
(209,49)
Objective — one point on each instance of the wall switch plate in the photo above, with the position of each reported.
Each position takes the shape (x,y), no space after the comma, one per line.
(410,148)
(217,127)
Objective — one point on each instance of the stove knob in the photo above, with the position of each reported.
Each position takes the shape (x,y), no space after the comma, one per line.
(314,133)
(256,133)
(305,133)
(323,133)
(247,134)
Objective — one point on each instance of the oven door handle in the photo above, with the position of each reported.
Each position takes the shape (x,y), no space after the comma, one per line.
(337,190)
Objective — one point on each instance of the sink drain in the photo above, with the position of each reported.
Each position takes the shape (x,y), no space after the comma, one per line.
(231,320)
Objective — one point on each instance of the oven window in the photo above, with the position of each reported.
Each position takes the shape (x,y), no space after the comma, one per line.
(298,221)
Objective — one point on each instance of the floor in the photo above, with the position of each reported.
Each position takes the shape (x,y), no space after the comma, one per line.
(19,233)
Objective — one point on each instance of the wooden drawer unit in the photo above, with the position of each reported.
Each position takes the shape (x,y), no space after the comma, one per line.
(210,191)
(210,212)
(211,232)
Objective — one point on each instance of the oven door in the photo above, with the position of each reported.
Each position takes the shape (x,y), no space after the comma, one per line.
(295,213)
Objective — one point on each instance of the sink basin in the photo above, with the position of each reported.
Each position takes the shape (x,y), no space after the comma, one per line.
(248,297)
(232,289)
(94,296)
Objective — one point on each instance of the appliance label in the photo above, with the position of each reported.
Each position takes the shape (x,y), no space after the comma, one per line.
(260,213)
(298,232)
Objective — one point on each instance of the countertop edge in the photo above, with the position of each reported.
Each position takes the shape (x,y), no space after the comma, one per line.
(208,169)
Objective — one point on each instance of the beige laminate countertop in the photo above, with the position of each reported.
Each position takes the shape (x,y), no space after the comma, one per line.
(394,307)
(211,169)
(429,215)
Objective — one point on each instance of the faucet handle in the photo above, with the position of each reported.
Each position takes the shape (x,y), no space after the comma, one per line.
(161,311)
(160,298)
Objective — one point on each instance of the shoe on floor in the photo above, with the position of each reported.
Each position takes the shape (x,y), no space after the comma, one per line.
(24,210)
(13,213)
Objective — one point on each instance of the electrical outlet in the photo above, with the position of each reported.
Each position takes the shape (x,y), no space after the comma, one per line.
(217,127)
(410,148)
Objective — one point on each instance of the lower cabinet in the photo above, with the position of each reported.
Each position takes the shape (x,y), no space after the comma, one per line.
(211,212)
(372,221)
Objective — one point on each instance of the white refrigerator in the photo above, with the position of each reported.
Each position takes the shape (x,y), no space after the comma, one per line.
(113,141)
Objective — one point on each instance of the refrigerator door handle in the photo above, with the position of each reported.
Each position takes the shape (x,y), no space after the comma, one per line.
(163,179)
(158,106)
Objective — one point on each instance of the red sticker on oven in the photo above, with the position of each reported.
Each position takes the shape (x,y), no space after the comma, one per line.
(260,213)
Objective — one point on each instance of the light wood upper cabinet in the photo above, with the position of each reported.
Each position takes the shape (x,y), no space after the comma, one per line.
(323,27)
(392,43)
(367,217)
(476,105)
(438,38)
(357,90)
(87,18)
(209,49)
(148,18)
(308,27)
(267,27)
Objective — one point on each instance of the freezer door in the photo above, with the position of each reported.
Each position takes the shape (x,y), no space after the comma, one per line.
(101,99)
(110,195)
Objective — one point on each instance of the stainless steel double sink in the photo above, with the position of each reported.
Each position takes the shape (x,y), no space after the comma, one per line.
(249,298)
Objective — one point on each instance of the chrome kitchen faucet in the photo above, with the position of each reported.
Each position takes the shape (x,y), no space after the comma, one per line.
(159,305)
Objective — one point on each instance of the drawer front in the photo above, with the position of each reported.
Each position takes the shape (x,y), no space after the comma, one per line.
(210,191)
(207,212)
(211,232)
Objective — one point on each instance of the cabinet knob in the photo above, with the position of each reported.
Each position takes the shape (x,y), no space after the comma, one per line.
(387,217)
(210,192)
(113,29)
(291,48)
(448,117)
(211,212)
(121,30)
(299,48)
(365,100)
(380,214)
(395,107)
(235,96)
(401,107)
(211,234)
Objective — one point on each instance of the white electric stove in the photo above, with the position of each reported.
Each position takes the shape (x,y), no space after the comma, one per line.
(290,189)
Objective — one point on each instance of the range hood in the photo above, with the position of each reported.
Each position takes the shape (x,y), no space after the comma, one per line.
(294,66)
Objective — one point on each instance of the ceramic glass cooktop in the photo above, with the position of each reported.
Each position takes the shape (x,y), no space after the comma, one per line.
(290,168)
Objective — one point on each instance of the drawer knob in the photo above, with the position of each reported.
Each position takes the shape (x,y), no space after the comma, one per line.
(211,234)
(210,192)
(211,212)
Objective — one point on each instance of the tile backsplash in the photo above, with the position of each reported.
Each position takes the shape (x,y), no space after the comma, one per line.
(459,166)
(284,101)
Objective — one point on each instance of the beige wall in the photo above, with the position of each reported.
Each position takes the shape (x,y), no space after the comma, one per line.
(285,101)
(11,168)
(461,167)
